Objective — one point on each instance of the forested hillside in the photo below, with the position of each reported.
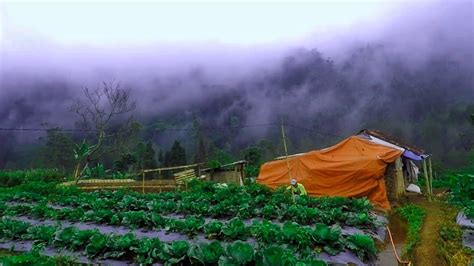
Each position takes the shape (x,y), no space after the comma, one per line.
(321,101)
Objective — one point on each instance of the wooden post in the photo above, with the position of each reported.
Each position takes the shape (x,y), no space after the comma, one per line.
(425,172)
(159,180)
(430,169)
(242,173)
(399,180)
(143,182)
(238,171)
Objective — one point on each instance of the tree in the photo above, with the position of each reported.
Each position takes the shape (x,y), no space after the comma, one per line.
(253,156)
(202,151)
(219,157)
(106,111)
(146,155)
(142,157)
(56,152)
(125,163)
(201,143)
(176,156)
(161,158)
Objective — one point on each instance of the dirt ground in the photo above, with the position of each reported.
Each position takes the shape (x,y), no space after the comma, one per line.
(426,254)
(438,213)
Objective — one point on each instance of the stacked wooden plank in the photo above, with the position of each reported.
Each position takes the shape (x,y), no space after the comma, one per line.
(183,177)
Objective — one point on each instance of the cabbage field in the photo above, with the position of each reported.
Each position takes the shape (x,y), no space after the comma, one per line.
(209,224)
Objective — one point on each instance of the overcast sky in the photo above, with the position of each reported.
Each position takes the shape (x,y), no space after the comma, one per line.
(176,53)
(105,24)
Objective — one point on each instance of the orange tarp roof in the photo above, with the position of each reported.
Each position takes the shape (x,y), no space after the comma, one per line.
(352,168)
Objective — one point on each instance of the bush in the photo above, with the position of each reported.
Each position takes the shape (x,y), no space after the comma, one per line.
(462,192)
(18,177)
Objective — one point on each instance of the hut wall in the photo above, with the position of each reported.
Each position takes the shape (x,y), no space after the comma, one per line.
(395,180)
(224,177)
(390,182)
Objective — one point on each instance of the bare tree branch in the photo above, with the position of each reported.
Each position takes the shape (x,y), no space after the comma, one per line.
(107,110)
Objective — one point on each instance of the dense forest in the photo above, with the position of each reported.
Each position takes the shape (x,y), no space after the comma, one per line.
(320,101)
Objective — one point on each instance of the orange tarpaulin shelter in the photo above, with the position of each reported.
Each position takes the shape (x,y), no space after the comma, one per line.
(354,167)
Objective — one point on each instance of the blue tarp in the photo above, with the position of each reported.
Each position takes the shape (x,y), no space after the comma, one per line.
(412,156)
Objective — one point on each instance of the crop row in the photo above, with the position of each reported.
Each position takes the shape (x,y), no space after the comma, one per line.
(302,238)
(150,250)
(219,202)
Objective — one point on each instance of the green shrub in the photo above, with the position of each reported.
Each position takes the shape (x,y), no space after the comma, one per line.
(18,177)
(462,192)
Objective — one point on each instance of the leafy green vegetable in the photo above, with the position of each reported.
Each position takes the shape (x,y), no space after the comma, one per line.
(98,216)
(147,250)
(325,234)
(134,219)
(362,245)
(118,246)
(296,235)
(41,234)
(275,256)
(361,205)
(213,229)
(81,238)
(206,253)
(266,231)
(234,229)
(158,221)
(175,252)
(65,237)
(360,219)
(269,212)
(11,229)
(96,246)
(237,253)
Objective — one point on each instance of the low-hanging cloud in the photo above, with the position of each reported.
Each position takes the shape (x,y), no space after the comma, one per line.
(338,82)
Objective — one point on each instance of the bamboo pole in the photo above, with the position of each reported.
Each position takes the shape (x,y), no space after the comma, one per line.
(425,172)
(171,168)
(159,179)
(286,155)
(143,182)
(430,167)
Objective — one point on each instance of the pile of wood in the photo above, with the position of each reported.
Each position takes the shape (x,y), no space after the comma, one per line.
(182,178)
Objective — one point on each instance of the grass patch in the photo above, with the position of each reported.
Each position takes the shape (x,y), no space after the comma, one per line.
(450,239)
(414,216)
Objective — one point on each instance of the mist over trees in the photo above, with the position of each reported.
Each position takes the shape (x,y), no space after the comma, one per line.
(320,101)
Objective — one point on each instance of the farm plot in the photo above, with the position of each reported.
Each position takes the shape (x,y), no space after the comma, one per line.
(209,224)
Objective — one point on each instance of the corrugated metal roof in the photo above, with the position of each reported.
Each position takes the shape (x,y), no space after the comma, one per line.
(393,140)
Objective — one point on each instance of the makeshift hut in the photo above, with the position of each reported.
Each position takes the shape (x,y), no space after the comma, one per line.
(369,164)
(229,173)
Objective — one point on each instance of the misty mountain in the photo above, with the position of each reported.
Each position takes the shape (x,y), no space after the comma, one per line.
(412,79)
(308,91)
